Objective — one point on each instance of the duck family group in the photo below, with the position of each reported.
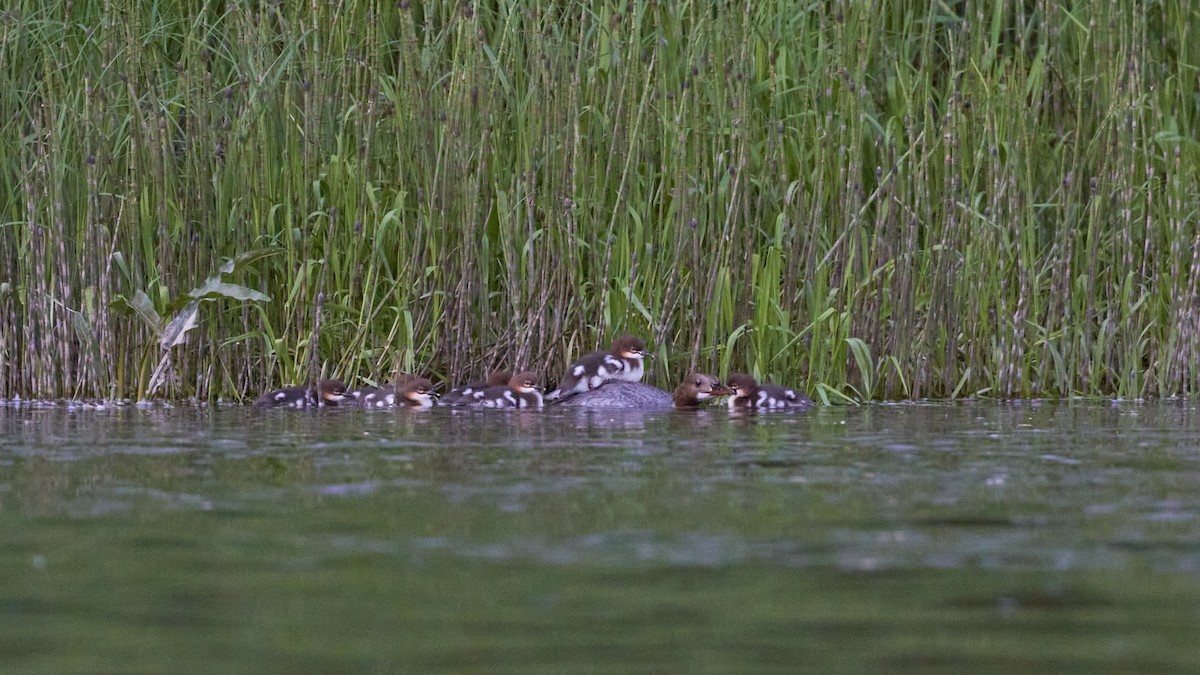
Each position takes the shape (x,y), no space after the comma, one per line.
(601,379)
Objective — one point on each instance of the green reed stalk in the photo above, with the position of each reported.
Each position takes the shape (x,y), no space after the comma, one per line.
(885,200)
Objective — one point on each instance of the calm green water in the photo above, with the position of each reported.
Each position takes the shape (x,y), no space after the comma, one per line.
(910,538)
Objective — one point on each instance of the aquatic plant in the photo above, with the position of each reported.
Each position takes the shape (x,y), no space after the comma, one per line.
(894,199)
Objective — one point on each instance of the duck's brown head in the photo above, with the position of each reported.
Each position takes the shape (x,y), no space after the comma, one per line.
(525,382)
(697,387)
(742,385)
(419,391)
(331,391)
(499,378)
(629,347)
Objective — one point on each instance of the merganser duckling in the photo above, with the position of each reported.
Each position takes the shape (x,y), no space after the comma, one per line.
(695,388)
(464,393)
(623,363)
(522,391)
(408,392)
(373,394)
(327,392)
(749,394)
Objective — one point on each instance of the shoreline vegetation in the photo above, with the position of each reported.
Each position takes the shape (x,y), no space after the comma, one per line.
(863,200)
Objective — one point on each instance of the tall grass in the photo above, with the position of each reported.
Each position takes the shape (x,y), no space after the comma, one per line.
(892,199)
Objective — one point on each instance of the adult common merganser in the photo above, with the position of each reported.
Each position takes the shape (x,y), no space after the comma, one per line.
(408,392)
(522,391)
(750,394)
(325,393)
(694,389)
(464,393)
(623,363)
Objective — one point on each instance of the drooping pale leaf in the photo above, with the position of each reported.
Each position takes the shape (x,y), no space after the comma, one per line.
(175,331)
(253,255)
(156,379)
(215,288)
(230,265)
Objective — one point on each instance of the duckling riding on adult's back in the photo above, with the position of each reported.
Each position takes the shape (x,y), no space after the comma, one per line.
(622,363)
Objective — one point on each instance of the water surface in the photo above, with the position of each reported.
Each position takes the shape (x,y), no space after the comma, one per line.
(903,538)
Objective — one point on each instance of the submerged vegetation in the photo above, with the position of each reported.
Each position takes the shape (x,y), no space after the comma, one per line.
(888,199)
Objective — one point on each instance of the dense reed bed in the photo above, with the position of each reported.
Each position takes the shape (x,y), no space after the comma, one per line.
(889,199)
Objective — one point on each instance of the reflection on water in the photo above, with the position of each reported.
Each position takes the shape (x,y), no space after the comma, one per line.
(931,537)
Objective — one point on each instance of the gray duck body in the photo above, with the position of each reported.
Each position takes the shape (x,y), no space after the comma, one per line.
(621,395)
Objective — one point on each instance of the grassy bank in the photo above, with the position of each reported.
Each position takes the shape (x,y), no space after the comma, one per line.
(866,199)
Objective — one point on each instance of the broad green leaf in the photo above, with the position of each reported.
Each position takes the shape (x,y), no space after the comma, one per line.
(637,303)
(866,365)
(141,305)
